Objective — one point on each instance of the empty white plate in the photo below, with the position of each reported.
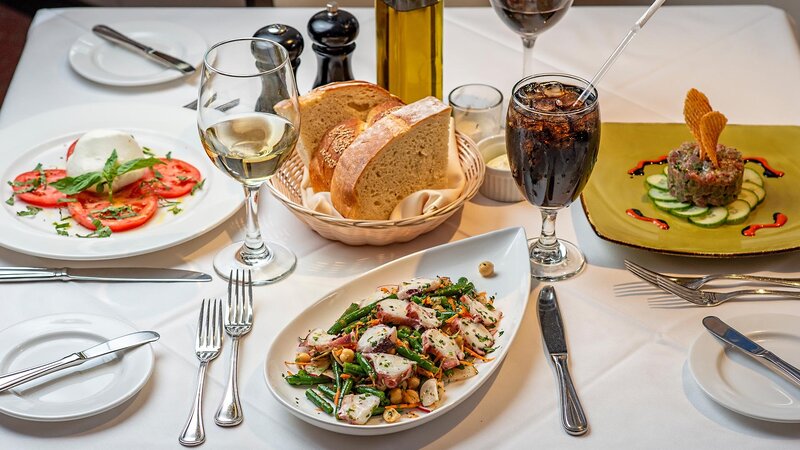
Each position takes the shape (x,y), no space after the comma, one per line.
(77,392)
(107,63)
(742,384)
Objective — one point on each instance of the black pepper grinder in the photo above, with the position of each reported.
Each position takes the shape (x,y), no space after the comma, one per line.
(333,32)
(288,37)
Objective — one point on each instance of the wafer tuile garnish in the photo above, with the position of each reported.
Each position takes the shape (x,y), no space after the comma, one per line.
(705,124)
(711,126)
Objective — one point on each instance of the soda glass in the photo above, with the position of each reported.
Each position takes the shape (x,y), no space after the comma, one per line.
(552,145)
(251,140)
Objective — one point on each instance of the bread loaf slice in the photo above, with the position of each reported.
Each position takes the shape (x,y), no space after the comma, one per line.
(333,144)
(327,106)
(402,153)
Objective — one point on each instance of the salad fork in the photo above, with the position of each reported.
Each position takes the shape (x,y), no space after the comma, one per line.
(238,322)
(207,347)
(706,298)
(698,282)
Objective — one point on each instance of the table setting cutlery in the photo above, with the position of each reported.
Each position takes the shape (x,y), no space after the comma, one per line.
(221,108)
(122,343)
(164,59)
(106,274)
(573,418)
(207,347)
(698,282)
(708,298)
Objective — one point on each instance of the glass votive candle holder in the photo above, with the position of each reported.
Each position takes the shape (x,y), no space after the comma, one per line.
(477,110)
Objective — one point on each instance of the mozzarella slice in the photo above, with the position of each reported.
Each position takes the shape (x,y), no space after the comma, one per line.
(94,148)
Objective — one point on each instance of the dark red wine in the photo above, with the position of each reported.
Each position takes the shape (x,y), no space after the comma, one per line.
(552,142)
(531,17)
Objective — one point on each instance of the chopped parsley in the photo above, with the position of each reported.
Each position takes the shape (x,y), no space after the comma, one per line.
(157,174)
(10,200)
(114,212)
(147,151)
(61,228)
(101,231)
(169,155)
(30,211)
(198,186)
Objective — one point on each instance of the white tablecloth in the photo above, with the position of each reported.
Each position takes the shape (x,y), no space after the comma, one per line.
(628,356)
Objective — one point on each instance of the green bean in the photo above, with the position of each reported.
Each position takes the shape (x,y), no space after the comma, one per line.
(366,366)
(348,386)
(444,315)
(351,308)
(337,373)
(372,391)
(319,401)
(416,357)
(352,317)
(354,369)
(300,380)
(378,410)
(461,287)
(327,391)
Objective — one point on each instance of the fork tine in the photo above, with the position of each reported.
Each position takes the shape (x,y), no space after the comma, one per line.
(680,291)
(199,340)
(240,296)
(641,272)
(250,296)
(230,298)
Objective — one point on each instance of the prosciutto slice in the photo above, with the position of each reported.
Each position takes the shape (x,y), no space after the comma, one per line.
(377,339)
(390,369)
(442,346)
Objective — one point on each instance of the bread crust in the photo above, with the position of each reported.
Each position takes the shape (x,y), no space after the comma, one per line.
(333,144)
(356,158)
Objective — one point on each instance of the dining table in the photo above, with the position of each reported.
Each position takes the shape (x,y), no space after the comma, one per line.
(628,353)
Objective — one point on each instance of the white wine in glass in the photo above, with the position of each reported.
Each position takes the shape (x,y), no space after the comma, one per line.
(250,141)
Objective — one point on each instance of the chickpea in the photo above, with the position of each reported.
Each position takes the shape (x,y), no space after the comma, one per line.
(302,357)
(459,341)
(413,383)
(347,355)
(395,396)
(486,269)
(410,396)
(390,415)
(392,351)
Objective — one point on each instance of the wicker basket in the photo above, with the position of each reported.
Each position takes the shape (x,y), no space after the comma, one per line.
(285,185)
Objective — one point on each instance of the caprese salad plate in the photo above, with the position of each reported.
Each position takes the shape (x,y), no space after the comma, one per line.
(91,205)
(437,341)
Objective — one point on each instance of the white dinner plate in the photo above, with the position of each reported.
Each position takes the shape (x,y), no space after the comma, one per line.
(507,249)
(741,384)
(77,392)
(46,137)
(103,62)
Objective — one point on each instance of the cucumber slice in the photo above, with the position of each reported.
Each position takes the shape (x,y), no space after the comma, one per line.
(669,206)
(658,181)
(666,170)
(715,217)
(758,190)
(658,194)
(751,176)
(748,196)
(690,212)
(738,210)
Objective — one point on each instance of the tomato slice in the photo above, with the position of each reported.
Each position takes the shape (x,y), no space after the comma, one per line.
(175,178)
(44,195)
(130,209)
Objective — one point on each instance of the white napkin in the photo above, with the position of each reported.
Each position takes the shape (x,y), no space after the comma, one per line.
(416,204)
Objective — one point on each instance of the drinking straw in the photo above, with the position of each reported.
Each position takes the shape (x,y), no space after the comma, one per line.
(611,59)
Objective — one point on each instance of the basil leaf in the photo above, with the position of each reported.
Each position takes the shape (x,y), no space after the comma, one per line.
(110,168)
(136,164)
(73,185)
(31,211)
(10,200)
(198,186)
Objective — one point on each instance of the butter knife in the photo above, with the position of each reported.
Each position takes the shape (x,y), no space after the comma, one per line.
(727,334)
(114,345)
(572,417)
(116,37)
(109,274)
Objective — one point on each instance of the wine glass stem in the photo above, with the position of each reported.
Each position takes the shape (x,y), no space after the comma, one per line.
(254,249)
(546,248)
(527,55)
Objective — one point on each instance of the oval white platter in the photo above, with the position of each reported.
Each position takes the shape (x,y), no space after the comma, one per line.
(46,137)
(507,249)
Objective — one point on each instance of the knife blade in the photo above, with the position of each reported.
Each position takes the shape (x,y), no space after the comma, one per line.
(125,342)
(573,418)
(108,274)
(730,335)
(164,59)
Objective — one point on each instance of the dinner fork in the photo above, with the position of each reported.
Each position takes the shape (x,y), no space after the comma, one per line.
(706,298)
(238,322)
(698,282)
(207,347)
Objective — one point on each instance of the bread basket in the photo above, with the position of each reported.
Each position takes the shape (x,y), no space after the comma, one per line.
(285,186)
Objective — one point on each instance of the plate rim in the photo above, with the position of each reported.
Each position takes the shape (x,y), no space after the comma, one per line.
(697,357)
(382,429)
(165,77)
(130,393)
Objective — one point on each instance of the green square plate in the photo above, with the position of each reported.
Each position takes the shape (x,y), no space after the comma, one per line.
(611,191)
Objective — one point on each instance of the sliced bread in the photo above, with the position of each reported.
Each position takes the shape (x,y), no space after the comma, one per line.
(403,152)
(327,106)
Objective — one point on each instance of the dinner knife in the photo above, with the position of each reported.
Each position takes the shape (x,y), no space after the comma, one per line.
(572,417)
(110,274)
(116,37)
(727,334)
(114,345)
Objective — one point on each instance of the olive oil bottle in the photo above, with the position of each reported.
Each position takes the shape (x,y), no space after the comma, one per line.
(409,44)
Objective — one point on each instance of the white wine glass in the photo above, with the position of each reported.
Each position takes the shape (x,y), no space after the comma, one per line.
(250,140)
(529,19)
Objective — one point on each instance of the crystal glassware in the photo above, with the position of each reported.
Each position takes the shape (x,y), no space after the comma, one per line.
(477,110)
(251,140)
(529,19)
(552,145)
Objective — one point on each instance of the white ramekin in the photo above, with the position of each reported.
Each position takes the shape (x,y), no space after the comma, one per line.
(498,183)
